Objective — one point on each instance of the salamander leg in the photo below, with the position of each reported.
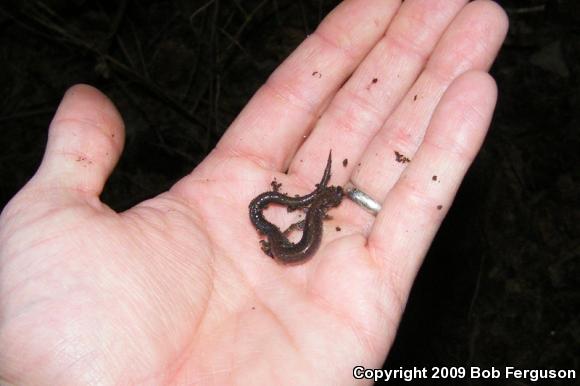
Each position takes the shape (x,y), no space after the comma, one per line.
(265,245)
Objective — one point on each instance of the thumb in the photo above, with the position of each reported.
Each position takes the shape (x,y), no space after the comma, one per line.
(85,141)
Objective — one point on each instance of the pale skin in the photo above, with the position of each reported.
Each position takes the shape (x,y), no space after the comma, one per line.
(176,291)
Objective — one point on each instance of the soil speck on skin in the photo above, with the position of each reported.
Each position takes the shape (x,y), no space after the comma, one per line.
(338,229)
(345,162)
(375,80)
(434,178)
(415,98)
(400,158)
(317,74)
(439,207)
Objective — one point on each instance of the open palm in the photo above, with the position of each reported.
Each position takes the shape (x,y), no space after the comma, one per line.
(177,291)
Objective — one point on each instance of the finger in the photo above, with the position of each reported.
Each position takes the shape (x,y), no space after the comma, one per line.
(418,202)
(362,105)
(85,140)
(471,43)
(275,121)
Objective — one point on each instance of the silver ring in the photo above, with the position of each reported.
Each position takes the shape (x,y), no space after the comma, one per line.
(362,199)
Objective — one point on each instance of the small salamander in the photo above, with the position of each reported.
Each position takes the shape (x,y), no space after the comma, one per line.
(316,203)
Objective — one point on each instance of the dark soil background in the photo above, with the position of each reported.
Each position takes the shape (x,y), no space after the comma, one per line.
(500,285)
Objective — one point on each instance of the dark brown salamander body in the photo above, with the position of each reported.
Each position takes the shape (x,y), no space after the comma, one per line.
(316,203)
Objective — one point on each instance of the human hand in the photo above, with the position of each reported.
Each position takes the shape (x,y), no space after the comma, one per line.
(177,291)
